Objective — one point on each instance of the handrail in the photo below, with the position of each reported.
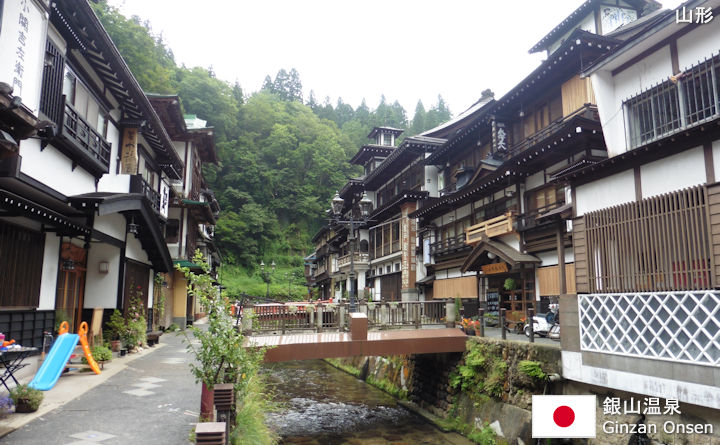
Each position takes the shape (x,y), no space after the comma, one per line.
(500,225)
(281,318)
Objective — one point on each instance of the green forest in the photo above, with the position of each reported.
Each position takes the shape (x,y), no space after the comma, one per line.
(282,153)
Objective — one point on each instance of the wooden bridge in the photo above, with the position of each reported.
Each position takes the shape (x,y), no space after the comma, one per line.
(311,331)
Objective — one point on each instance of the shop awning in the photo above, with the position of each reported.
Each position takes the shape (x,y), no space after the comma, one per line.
(200,210)
(426,280)
(134,207)
(479,255)
(194,267)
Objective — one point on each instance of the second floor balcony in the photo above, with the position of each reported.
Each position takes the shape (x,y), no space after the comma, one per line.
(139,185)
(82,143)
(450,245)
(686,100)
(359,259)
(500,225)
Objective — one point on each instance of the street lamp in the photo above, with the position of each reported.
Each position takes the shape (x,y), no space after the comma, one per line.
(365,206)
(266,276)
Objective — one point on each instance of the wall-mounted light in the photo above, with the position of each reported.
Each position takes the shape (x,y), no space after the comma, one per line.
(132,227)
(103,267)
(491,255)
(68,264)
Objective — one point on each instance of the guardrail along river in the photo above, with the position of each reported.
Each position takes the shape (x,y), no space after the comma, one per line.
(322,405)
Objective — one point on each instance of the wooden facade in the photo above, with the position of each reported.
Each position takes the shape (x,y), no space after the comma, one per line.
(663,243)
(461,287)
(21,261)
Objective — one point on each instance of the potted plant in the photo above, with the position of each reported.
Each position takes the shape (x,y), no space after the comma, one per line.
(6,405)
(116,328)
(26,399)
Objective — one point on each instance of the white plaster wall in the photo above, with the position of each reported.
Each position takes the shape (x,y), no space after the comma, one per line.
(587,24)
(716,158)
(151,289)
(134,250)
(687,392)
(550,258)
(48,281)
(610,111)
(431,180)
(535,180)
(101,288)
(511,240)
(698,44)
(112,224)
(28,88)
(612,190)
(54,169)
(114,183)
(676,172)
(610,92)
(462,212)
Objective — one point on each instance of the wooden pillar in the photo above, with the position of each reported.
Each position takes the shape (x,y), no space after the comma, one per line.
(561,257)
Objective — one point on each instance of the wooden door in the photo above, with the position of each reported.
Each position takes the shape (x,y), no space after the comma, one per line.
(70,293)
(137,281)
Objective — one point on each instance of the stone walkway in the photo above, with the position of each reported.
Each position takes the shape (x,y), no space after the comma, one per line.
(154,400)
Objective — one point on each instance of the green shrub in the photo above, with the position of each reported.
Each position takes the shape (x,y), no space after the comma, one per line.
(532,369)
(172,328)
(100,354)
(484,436)
(25,394)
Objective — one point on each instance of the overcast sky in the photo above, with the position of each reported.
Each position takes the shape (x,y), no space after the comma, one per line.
(407,50)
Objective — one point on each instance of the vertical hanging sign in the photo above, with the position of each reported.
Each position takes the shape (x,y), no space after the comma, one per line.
(164,199)
(129,154)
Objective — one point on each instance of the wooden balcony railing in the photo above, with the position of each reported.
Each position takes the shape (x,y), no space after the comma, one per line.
(360,257)
(449,245)
(281,318)
(88,147)
(139,185)
(492,227)
(320,270)
(529,219)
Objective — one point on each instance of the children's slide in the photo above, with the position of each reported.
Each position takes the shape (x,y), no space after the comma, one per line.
(55,362)
(86,348)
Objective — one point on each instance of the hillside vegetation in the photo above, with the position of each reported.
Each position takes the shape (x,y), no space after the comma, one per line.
(281,156)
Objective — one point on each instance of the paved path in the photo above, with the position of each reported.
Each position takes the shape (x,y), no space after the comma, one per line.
(153,401)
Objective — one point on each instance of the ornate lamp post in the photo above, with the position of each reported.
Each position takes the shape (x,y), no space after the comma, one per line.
(266,276)
(365,206)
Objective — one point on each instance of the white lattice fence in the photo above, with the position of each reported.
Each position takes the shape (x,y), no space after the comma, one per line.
(678,326)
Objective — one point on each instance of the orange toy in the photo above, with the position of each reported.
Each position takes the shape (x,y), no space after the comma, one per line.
(7,343)
(82,332)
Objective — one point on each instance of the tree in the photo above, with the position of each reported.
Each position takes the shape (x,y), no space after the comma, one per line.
(418,120)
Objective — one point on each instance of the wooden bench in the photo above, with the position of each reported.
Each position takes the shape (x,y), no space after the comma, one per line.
(515,321)
(153,337)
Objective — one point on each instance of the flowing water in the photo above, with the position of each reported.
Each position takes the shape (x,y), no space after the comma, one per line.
(325,406)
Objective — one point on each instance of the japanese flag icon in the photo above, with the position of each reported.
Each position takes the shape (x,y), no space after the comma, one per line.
(563,416)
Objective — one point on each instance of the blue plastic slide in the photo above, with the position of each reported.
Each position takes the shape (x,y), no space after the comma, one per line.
(55,362)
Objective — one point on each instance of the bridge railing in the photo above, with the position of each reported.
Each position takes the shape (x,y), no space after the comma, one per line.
(280,318)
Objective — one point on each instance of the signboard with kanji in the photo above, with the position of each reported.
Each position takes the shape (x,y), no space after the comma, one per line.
(129,156)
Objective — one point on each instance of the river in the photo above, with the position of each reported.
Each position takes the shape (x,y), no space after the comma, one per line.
(321,405)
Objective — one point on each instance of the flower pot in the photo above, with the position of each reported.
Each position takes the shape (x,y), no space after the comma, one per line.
(25,406)
(115,345)
(123,352)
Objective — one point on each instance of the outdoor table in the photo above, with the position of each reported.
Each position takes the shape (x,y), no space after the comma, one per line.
(12,360)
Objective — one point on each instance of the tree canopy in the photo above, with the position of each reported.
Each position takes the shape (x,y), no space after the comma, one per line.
(280,157)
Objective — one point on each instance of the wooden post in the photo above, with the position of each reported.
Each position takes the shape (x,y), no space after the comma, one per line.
(481,319)
(319,317)
(450,313)
(529,320)
(561,257)
(503,334)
